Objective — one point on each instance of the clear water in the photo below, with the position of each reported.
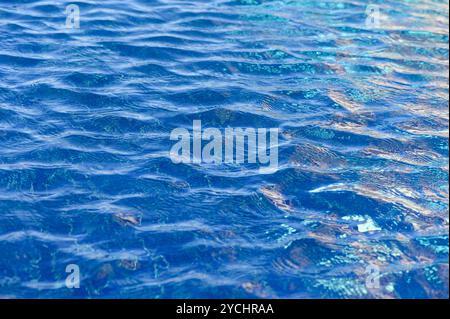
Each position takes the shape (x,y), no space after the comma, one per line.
(85,176)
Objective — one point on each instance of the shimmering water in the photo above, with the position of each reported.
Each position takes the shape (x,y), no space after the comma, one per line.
(86,178)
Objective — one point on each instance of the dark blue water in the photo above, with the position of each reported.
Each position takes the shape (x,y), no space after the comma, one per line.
(86,178)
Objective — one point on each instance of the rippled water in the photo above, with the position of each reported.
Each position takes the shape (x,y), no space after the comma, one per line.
(86,178)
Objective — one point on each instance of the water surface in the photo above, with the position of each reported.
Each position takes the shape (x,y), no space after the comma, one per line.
(86,178)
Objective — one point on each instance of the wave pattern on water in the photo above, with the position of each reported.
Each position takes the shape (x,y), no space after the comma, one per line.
(85,176)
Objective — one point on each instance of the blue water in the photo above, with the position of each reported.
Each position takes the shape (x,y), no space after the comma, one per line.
(86,178)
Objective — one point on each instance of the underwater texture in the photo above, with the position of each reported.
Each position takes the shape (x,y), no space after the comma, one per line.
(86,178)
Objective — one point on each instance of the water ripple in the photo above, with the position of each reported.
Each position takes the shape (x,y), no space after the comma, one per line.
(86,177)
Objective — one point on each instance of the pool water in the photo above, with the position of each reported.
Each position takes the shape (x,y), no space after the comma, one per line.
(357,207)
